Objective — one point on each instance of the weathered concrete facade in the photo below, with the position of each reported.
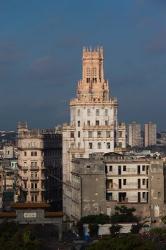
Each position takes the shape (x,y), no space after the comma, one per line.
(122,180)
(88,187)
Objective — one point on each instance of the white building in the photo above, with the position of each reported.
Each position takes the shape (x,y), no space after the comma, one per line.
(134,135)
(150,134)
(93,119)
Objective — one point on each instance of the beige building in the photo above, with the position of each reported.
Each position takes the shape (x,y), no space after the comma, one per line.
(134,135)
(93,119)
(150,134)
(104,181)
(30,164)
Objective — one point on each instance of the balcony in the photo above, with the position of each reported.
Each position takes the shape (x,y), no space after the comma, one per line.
(34,168)
(34,178)
(35,189)
(98,127)
(23,167)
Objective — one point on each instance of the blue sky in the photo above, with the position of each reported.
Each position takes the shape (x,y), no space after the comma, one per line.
(40,57)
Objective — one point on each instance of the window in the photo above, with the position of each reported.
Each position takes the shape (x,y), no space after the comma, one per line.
(110,168)
(88,123)
(33,153)
(33,163)
(143,195)
(88,71)
(79,133)
(120,134)
(78,123)
(88,166)
(106,111)
(90,134)
(108,134)
(143,168)
(97,123)
(90,145)
(159,194)
(143,181)
(25,153)
(97,112)
(106,123)
(88,112)
(138,169)
(124,181)
(99,145)
(124,168)
(108,145)
(99,134)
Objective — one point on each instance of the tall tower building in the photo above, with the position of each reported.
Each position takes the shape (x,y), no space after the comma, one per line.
(134,135)
(93,118)
(150,131)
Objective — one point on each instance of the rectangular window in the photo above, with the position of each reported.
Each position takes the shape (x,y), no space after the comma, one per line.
(25,153)
(88,123)
(120,183)
(97,112)
(88,112)
(90,145)
(119,170)
(79,133)
(97,123)
(143,168)
(124,181)
(106,123)
(99,145)
(143,195)
(138,169)
(124,168)
(99,134)
(108,145)
(139,183)
(90,134)
(143,181)
(78,123)
(108,134)
(33,153)
(110,168)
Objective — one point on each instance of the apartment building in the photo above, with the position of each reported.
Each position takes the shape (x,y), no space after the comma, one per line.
(134,135)
(104,181)
(40,166)
(150,134)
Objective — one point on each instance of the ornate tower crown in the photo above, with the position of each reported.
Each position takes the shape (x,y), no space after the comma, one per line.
(93,87)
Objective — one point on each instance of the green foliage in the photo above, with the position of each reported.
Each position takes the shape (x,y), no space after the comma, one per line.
(127,242)
(96,219)
(124,214)
(158,233)
(93,228)
(115,230)
(13,238)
